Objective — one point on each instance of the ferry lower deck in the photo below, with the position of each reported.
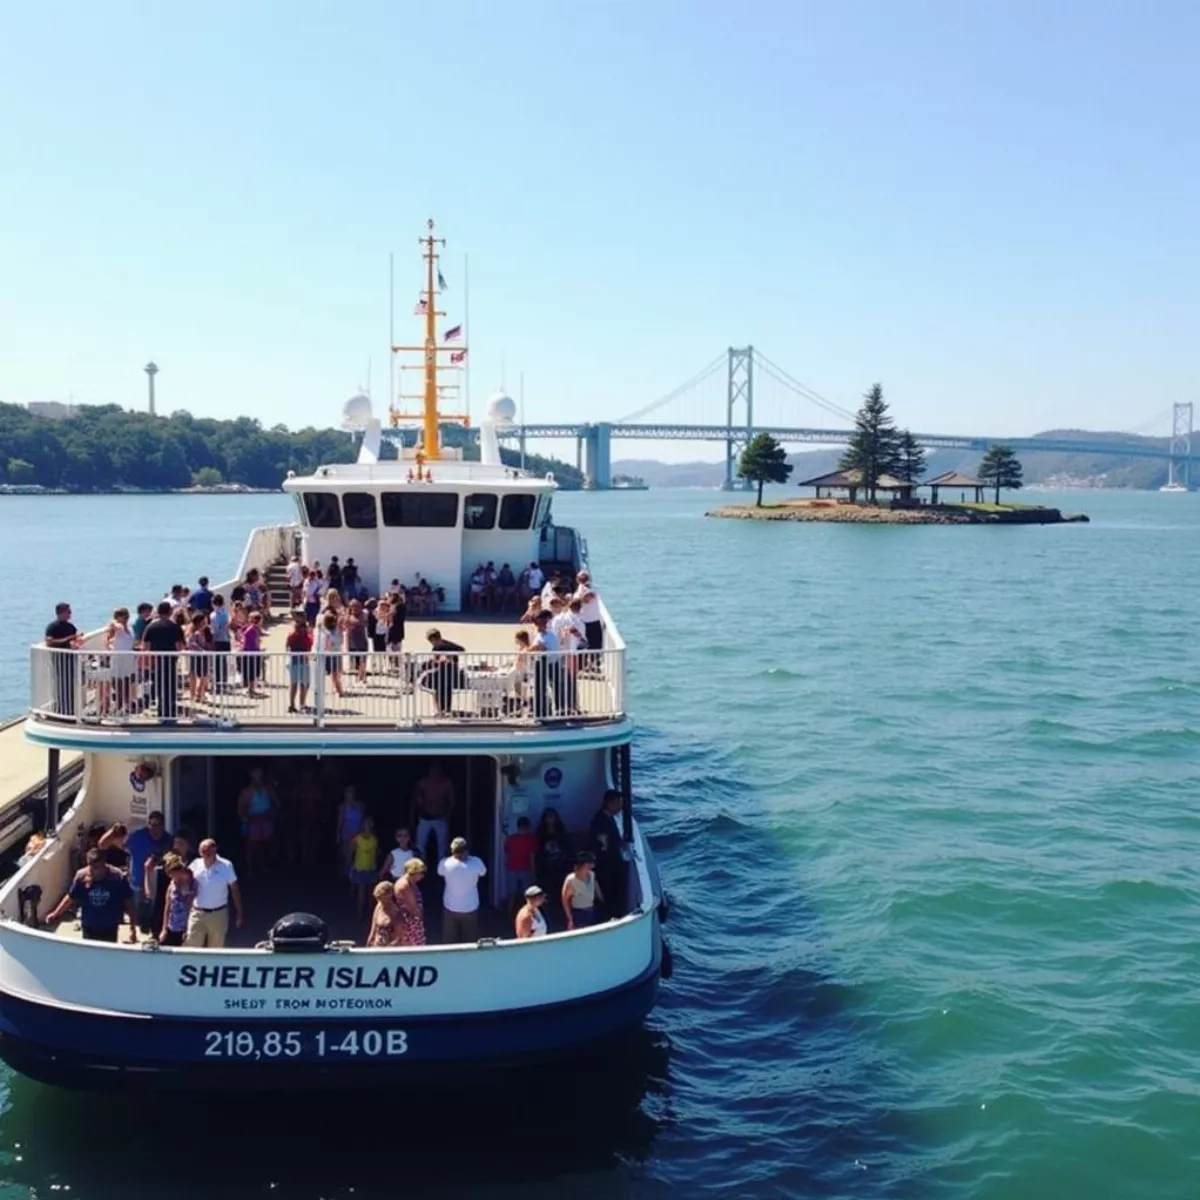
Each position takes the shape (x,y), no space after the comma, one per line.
(251,1014)
(300,867)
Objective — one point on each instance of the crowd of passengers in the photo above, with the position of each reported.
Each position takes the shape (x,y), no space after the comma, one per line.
(161,885)
(336,629)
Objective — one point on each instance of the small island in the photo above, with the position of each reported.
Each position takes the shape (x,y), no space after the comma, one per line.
(881,460)
(843,512)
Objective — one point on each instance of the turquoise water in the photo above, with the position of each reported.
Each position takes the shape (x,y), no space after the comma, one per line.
(926,800)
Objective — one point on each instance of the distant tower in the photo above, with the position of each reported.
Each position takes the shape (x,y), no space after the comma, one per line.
(740,394)
(1179,469)
(151,370)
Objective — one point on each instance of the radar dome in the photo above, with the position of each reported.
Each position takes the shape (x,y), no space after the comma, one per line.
(356,412)
(502,409)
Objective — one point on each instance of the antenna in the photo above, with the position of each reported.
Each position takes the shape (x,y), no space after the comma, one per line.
(391,327)
(522,395)
(467,331)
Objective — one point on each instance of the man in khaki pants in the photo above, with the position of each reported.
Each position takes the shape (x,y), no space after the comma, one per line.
(216,887)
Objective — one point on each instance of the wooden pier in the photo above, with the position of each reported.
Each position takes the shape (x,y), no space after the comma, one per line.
(26,788)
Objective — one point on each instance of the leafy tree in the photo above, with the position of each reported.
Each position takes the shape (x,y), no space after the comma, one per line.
(911,466)
(1002,468)
(764,460)
(19,471)
(103,448)
(207,477)
(874,447)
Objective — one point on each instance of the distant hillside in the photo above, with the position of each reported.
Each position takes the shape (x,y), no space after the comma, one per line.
(1041,467)
(105,448)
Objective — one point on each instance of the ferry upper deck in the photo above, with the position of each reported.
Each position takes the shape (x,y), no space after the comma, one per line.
(462,666)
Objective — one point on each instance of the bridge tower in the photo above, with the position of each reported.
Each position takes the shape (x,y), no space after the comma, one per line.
(740,392)
(1179,470)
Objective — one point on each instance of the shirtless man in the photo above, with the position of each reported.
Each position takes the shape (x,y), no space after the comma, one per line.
(432,808)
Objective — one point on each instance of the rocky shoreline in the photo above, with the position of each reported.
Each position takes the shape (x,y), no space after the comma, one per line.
(867,514)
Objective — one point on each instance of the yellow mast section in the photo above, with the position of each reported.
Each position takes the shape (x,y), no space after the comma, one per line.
(429,415)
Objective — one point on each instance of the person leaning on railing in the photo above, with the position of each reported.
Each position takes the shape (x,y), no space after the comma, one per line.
(61,635)
(165,638)
(443,675)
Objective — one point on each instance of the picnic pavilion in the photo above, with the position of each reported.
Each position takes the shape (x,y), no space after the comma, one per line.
(954,479)
(830,487)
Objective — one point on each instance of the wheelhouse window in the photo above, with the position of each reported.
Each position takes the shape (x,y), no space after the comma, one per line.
(516,512)
(429,510)
(322,509)
(359,508)
(479,510)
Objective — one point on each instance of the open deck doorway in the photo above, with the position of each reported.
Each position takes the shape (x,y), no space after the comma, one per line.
(299,870)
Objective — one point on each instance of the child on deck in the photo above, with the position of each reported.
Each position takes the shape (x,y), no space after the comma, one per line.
(519,851)
(393,865)
(363,865)
(299,644)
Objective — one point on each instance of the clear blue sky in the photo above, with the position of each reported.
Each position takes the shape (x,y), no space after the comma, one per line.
(991,208)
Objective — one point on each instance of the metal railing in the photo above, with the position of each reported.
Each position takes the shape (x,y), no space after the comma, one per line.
(267,545)
(225,690)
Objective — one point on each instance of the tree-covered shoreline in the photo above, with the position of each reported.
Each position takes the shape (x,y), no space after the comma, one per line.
(106,448)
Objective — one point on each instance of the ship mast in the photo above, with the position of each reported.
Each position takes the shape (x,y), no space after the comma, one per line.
(429,416)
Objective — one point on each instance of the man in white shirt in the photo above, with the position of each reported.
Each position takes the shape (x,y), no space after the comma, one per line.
(534,578)
(589,610)
(216,886)
(546,664)
(460,900)
(567,626)
(295,578)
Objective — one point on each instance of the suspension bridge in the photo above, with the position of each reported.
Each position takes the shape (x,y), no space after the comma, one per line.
(758,396)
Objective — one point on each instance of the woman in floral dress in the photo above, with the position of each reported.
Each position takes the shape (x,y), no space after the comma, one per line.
(410,909)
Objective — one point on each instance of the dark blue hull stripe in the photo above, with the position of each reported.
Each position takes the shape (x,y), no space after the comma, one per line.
(89,1049)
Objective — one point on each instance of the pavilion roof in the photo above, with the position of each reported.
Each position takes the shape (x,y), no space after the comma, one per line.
(844,479)
(853,479)
(953,479)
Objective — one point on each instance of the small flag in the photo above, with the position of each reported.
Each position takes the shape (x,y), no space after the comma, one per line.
(458,356)
(452,335)
(422,307)
(441,281)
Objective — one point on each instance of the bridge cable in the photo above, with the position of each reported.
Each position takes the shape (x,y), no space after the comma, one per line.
(1156,422)
(698,378)
(802,389)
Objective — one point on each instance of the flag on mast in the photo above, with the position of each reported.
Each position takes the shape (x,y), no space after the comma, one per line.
(421,308)
(452,335)
(441,281)
(458,356)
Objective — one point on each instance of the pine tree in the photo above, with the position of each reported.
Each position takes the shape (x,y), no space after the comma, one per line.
(764,460)
(874,447)
(1001,468)
(912,459)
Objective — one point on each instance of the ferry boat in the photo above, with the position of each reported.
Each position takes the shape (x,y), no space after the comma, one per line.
(271,1010)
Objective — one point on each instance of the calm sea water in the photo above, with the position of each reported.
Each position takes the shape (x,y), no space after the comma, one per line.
(926,800)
